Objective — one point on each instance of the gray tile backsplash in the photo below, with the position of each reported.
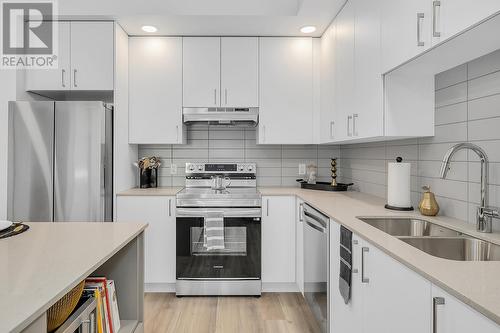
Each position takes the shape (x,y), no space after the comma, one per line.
(277,165)
(467,109)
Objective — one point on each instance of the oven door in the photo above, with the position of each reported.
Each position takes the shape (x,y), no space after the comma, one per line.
(241,257)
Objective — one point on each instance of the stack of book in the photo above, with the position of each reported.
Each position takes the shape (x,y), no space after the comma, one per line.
(104,291)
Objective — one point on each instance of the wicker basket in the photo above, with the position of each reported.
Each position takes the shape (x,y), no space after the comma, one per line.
(62,309)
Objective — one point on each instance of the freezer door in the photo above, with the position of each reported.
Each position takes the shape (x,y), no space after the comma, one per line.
(80,139)
(30,161)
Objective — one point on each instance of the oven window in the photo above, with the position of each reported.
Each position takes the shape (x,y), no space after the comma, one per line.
(235,242)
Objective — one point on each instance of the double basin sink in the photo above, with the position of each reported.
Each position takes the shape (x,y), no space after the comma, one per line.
(436,240)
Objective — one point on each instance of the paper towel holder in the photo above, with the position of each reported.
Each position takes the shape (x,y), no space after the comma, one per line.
(401,209)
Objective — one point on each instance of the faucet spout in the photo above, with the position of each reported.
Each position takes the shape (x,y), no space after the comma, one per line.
(483,216)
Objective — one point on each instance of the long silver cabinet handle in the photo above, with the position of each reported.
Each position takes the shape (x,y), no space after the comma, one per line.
(267,207)
(332,123)
(363,278)
(349,118)
(63,72)
(435,5)
(169,207)
(420,17)
(301,212)
(354,131)
(215,97)
(74,77)
(435,302)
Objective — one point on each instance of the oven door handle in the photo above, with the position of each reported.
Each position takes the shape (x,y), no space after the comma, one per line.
(226,212)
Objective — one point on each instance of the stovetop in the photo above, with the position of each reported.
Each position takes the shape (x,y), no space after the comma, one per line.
(230,197)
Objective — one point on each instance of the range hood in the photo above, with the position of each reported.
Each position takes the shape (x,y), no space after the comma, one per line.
(235,117)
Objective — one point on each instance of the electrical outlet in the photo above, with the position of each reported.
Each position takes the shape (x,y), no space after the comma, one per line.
(173,169)
(302,169)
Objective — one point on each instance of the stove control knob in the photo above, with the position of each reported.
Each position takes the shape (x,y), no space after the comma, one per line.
(242,167)
(191,167)
(200,167)
(250,168)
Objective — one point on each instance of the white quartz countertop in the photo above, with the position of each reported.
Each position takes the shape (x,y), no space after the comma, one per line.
(41,265)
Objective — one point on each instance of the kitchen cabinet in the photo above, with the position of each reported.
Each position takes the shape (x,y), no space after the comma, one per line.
(405,29)
(278,241)
(299,246)
(220,72)
(86,59)
(159,237)
(327,86)
(452,316)
(155,90)
(53,79)
(239,72)
(286,90)
(380,286)
(201,71)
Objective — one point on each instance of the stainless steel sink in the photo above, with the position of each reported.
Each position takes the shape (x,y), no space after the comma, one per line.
(409,227)
(456,248)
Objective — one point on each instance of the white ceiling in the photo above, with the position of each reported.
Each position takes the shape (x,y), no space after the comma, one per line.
(209,17)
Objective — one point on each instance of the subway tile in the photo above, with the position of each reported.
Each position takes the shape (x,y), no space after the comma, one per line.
(197,135)
(189,153)
(226,134)
(493,174)
(377,153)
(164,154)
(291,172)
(454,113)
(451,95)
(484,86)
(193,144)
(484,65)
(448,133)
(453,208)
(403,142)
(365,176)
(493,194)
(492,149)
(262,153)
(227,160)
(269,172)
(233,144)
(406,152)
(289,181)
(447,188)
(452,76)
(268,181)
(265,162)
(363,164)
(226,154)
(251,134)
(486,107)
(294,162)
(431,169)
(436,152)
(484,129)
(300,153)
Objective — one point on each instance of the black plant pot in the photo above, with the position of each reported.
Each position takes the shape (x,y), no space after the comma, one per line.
(148,178)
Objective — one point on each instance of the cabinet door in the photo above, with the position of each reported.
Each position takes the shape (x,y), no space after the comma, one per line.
(453,16)
(405,30)
(155,93)
(327,96)
(286,96)
(53,79)
(239,72)
(92,55)
(368,117)
(344,72)
(201,71)
(391,288)
(278,239)
(299,247)
(456,317)
(159,236)
(348,317)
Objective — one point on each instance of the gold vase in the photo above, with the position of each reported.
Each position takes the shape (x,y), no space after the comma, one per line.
(428,205)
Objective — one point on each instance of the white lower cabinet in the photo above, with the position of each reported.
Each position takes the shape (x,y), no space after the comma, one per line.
(452,316)
(278,241)
(159,237)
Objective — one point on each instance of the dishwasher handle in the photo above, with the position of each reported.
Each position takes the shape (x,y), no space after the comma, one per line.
(315,220)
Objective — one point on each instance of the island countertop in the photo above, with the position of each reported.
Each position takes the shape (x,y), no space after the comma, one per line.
(42,264)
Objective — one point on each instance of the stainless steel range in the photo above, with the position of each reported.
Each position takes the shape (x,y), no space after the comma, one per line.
(219,231)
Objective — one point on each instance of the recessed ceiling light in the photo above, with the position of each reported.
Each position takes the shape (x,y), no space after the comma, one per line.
(150,28)
(308,29)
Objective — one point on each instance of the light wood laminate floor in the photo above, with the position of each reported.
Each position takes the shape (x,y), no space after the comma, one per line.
(272,312)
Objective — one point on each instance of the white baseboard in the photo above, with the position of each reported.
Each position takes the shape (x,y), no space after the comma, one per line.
(159,287)
(280,287)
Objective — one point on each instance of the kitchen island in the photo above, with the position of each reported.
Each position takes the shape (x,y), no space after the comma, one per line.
(42,264)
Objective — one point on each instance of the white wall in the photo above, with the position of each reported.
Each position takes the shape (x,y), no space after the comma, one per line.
(467,110)
(124,154)
(7,93)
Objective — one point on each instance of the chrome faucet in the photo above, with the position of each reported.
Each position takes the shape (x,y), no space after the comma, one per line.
(484,213)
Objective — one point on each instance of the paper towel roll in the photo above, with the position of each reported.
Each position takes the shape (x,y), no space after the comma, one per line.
(398,185)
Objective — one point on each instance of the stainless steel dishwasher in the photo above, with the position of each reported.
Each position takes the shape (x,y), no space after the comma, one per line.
(316,263)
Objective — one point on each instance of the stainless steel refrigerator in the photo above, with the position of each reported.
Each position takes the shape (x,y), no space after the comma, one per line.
(60,161)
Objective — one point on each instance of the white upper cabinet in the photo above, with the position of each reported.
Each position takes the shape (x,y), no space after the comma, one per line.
(286,90)
(155,90)
(327,85)
(53,79)
(453,16)
(405,30)
(239,72)
(201,71)
(86,59)
(368,116)
(92,55)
